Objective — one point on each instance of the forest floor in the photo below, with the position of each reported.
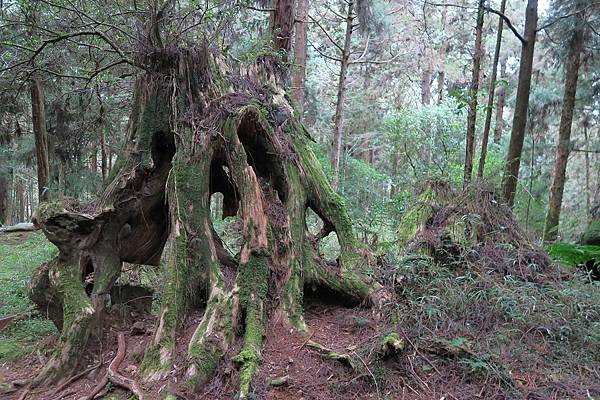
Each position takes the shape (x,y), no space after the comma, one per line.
(468,334)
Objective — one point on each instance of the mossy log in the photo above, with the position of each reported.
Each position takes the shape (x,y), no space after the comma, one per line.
(200,126)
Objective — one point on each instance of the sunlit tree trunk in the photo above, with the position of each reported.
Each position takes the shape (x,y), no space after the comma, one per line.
(517,135)
(564,132)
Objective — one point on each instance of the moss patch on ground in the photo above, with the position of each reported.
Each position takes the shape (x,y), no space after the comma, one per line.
(20,253)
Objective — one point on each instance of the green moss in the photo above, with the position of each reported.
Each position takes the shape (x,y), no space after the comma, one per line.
(50,209)
(392,343)
(253,280)
(416,216)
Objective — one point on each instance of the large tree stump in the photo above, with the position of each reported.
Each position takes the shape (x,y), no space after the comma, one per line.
(198,128)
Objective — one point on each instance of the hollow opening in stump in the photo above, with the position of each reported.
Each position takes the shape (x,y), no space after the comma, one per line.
(262,154)
(321,294)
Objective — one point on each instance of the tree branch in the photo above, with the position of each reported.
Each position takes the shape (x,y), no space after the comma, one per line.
(508,23)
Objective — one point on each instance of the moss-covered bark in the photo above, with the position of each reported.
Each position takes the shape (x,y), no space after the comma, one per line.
(197,129)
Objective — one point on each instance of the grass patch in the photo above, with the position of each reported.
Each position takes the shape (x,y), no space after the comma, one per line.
(20,253)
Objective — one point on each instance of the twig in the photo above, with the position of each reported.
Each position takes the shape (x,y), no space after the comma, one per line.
(421,354)
(304,344)
(369,371)
(76,377)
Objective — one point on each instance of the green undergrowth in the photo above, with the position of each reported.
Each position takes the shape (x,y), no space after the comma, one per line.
(20,253)
(503,331)
(574,255)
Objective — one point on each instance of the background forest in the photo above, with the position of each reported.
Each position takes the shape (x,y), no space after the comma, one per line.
(396,108)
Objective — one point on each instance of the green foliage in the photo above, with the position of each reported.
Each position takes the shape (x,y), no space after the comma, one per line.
(20,254)
(574,255)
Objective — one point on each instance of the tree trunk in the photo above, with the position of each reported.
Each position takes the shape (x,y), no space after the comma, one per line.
(564,132)
(338,130)
(20,194)
(5,197)
(299,76)
(257,154)
(588,200)
(426,72)
(282,26)
(38,115)
(517,135)
(500,102)
(490,103)
(473,92)
(441,79)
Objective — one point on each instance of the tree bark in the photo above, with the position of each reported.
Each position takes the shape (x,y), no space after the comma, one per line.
(282,26)
(473,93)
(443,53)
(299,76)
(517,135)
(20,194)
(5,197)
(426,72)
(41,137)
(500,103)
(564,132)
(338,122)
(490,103)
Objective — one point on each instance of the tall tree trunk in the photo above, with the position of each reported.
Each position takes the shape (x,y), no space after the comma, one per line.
(588,200)
(41,137)
(299,76)
(517,135)
(5,196)
(426,72)
(20,194)
(282,26)
(564,132)
(94,163)
(473,92)
(500,102)
(490,103)
(441,78)
(338,130)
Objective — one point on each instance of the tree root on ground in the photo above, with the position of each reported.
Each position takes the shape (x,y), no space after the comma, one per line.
(112,375)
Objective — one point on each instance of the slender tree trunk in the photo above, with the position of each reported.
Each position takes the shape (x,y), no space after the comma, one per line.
(20,194)
(473,92)
(299,76)
(426,82)
(588,200)
(338,130)
(61,179)
(5,197)
(94,163)
(41,137)
(564,132)
(441,78)
(500,103)
(490,103)
(517,135)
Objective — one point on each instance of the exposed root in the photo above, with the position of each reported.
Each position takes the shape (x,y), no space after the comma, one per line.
(113,375)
